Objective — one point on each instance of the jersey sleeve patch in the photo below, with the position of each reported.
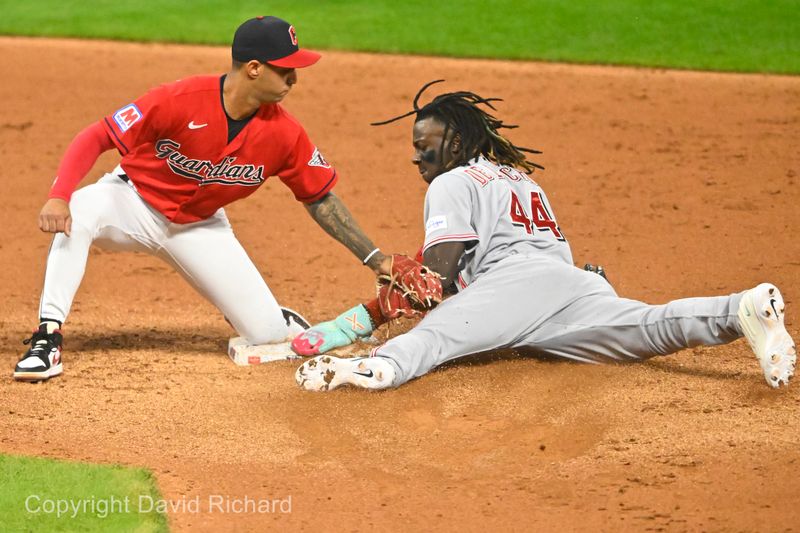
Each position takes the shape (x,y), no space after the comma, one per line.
(436,223)
(317,160)
(127,117)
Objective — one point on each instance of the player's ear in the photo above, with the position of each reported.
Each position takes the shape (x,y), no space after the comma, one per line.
(455,144)
(253,68)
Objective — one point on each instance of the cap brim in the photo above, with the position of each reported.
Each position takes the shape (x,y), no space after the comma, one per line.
(299,59)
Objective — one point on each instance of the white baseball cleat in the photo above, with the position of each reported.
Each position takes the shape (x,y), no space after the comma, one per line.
(761,318)
(325,372)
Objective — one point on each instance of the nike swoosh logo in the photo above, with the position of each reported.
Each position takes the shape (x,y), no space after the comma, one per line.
(367,374)
(772,303)
(193,126)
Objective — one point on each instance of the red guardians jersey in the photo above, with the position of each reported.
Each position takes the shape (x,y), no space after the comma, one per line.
(175,150)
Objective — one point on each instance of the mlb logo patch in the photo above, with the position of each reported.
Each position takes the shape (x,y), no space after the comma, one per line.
(317,160)
(127,117)
(436,223)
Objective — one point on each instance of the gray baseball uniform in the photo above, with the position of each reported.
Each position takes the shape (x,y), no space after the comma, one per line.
(518,287)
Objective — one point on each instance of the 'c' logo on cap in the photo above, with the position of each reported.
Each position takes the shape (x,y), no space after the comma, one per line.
(293,35)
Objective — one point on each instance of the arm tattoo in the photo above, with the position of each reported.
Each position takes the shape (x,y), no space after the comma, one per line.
(332,216)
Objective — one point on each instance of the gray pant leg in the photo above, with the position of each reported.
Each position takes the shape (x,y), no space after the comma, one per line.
(499,310)
(601,328)
(557,311)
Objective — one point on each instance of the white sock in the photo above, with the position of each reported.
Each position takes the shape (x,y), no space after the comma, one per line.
(52,325)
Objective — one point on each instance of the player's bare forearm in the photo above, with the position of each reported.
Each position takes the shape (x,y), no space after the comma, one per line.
(443,259)
(334,217)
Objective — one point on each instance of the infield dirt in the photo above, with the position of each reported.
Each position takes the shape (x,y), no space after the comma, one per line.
(679,183)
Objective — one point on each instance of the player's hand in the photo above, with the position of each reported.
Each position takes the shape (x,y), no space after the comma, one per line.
(383,265)
(599,270)
(55,217)
(344,330)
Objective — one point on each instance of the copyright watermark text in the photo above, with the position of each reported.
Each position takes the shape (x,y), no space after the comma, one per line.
(144,503)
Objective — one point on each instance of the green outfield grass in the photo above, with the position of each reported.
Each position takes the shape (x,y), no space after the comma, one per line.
(730,35)
(88,497)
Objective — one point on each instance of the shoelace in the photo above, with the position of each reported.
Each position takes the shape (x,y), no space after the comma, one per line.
(39,347)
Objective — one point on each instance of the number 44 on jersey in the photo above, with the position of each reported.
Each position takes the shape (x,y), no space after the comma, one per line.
(540,218)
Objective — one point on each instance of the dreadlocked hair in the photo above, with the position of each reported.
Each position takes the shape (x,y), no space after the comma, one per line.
(478,129)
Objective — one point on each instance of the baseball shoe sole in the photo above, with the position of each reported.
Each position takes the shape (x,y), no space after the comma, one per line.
(33,376)
(761,316)
(325,372)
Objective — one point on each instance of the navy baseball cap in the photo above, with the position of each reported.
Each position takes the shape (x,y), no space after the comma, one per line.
(270,40)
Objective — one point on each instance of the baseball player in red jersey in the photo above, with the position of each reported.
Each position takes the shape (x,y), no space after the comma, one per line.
(188,149)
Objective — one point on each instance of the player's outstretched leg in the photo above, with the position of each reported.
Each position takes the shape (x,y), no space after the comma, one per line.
(761,319)
(325,372)
(43,360)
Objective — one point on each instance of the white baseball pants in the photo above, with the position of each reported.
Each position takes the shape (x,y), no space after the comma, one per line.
(111,215)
